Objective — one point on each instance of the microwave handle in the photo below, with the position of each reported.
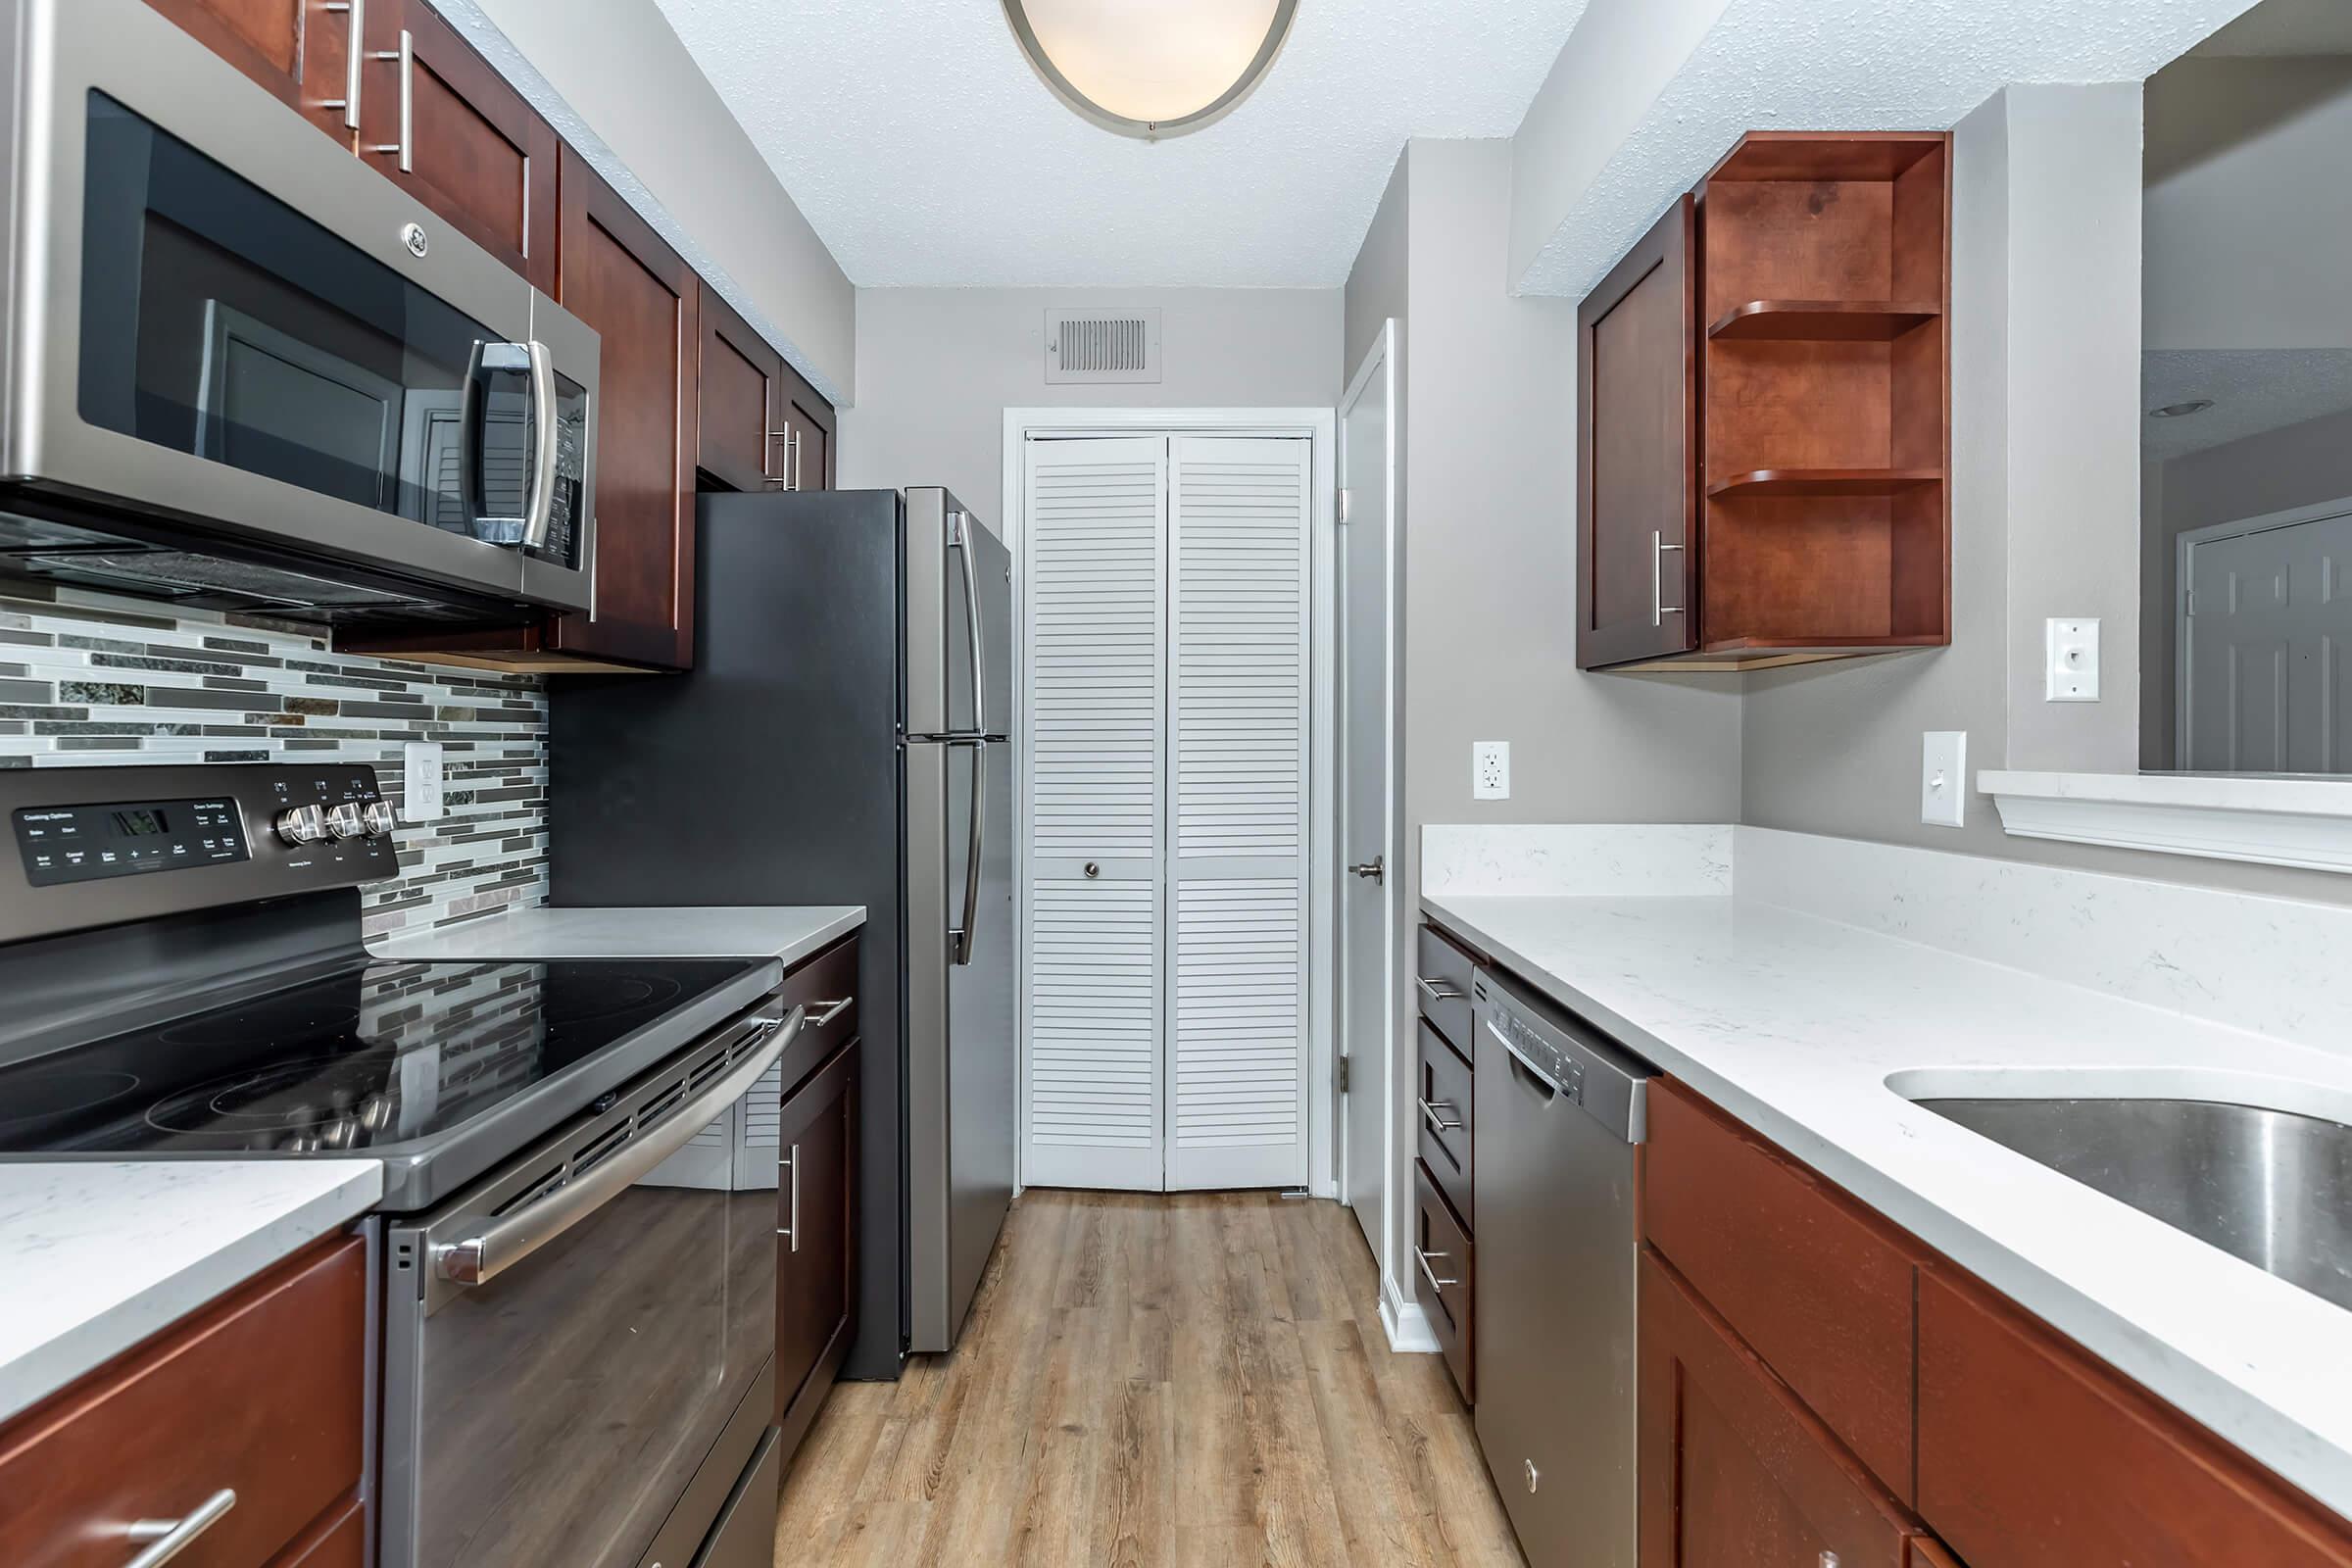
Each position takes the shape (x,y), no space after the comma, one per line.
(543,474)
(469,432)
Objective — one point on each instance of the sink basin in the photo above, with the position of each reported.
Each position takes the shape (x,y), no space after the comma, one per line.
(2272,1186)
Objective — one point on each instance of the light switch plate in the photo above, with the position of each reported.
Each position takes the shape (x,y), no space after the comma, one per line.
(1490,770)
(1943,778)
(2074,660)
(420,781)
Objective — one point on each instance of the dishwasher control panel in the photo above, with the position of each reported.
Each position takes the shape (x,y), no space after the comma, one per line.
(1533,1044)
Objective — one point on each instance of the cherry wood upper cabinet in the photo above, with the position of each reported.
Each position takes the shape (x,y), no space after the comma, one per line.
(438,119)
(1637,449)
(299,49)
(615,273)
(739,397)
(805,460)
(1807,343)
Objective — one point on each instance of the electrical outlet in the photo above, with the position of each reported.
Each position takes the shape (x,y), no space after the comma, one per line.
(420,781)
(1943,778)
(1490,770)
(2074,660)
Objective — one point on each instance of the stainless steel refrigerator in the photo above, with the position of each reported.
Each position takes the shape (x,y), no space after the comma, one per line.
(841,740)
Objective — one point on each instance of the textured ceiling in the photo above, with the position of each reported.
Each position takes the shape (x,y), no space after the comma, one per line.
(1851,65)
(925,151)
(2253,390)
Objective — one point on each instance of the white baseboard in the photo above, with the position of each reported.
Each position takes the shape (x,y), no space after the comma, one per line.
(1409,1333)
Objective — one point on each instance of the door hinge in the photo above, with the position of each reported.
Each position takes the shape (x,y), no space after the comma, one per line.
(1343,1075)
(1344,497)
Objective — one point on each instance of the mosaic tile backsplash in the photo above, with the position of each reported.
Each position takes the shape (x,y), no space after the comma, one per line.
(87,679)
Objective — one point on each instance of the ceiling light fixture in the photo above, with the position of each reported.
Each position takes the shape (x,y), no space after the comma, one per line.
(2176,411)
(1150,68)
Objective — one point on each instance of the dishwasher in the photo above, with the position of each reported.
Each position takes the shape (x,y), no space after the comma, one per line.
(1559,1115)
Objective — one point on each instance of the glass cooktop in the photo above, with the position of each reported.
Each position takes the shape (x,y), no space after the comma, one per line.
(380,1053)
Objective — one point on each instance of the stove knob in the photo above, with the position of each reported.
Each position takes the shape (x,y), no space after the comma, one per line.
(301,824)
(379,818)
(344,821)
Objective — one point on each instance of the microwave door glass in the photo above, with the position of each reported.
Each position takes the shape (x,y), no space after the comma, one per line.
(218,322)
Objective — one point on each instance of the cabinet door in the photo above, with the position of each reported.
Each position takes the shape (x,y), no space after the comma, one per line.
(1733,1469)
(1636,477)
(299,49)
(615,273)
(816,1225)
(805,462)
(439,120)
(738,402)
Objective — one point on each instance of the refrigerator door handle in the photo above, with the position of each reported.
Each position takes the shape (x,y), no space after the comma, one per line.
(959,539)
(959,937)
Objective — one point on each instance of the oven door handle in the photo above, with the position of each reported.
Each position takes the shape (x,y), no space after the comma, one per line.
(482,1257)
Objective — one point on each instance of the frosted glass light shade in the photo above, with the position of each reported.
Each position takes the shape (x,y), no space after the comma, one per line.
(1150,68)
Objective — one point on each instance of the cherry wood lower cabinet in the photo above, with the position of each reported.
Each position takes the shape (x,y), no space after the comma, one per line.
(817,1239)
(1820,1389)
(1734,1469)
(261,1393)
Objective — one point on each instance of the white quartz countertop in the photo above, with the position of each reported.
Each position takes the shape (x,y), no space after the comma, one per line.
(96,1257)
(1794,1023)
(788,933)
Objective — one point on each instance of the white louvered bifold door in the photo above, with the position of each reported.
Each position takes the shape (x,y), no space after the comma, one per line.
(1236,1080)
(1096,577)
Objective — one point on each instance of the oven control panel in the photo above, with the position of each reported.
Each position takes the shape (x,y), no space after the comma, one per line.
(99,846)
(129,838)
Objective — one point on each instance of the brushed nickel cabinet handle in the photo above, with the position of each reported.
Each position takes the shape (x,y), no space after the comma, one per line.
(353,57)
(1438,990)
(405,57)
(792,1201)
(171,1536)
(1422,1258)
(1430,1113)
(1659,608)
(833,1010)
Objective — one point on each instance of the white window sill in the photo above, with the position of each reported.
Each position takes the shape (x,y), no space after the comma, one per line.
(2271,821)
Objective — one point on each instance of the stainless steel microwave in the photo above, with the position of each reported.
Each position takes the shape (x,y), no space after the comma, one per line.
(243,370)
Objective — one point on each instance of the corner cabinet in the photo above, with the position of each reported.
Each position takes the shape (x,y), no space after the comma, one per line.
(759,425)
(1763,424)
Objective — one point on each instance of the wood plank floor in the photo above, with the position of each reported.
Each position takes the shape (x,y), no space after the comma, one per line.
(1196,1379)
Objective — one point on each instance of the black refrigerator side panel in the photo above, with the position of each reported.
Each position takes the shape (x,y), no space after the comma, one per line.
(769,775)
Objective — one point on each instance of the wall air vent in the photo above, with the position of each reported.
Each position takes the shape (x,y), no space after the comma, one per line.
(1102,346)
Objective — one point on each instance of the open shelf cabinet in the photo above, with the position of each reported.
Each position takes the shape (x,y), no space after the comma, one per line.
(1773,486)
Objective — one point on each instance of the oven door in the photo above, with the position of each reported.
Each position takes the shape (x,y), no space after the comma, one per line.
(222,316)
(579,1350)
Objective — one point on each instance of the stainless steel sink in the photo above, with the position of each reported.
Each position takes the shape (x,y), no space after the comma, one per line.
(2272,1186)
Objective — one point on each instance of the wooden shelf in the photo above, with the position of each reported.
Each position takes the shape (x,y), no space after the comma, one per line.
(1822,321)
(1823,482)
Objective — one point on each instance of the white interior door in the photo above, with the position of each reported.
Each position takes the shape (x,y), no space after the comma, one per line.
(1095,542)
(2267,649)
(1367,832)
(1238,853)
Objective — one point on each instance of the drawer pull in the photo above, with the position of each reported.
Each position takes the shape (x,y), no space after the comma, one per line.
(1422,1258)
(791,1231)
(171,1536)
(1439,989)
(833,1010)
(1436,1122)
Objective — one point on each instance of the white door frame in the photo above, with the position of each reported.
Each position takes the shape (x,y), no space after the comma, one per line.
(2212,533)
(1318,425)
(1380,365)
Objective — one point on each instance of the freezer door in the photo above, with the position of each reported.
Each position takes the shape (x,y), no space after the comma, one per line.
(962,1058)
(958,620)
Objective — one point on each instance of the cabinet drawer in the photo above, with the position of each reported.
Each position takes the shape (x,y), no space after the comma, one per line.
(1732,1468)
(1443,1104)
(822,984)
(259,1393)
(337,1542)
(1822,1291)
(2032,1454)
(1444,1275)
(1441,982)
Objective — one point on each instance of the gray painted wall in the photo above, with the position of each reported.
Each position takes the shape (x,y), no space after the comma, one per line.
(1488,548)
(936,367)
(2046,519)
(620,76)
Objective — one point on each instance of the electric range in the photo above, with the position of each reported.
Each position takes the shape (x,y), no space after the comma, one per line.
(575,1287)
